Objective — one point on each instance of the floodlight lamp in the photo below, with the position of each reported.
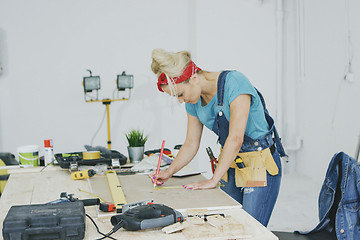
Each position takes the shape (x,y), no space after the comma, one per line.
(91,83)
(124,81)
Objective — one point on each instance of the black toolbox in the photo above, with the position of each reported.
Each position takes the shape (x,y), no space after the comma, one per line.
(65,159)
(65,221)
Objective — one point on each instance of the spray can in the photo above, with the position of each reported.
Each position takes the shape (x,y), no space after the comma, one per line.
(48,151)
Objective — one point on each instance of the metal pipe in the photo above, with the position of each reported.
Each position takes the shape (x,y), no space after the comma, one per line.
(301,37)
(297,146)
(279,63)
(357,150)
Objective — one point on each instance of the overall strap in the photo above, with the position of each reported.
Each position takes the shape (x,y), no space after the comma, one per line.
(221,88)
(272,127)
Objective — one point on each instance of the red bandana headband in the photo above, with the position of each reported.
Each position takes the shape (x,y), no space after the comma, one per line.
(190,70)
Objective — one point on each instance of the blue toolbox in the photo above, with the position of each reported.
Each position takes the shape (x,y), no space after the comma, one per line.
(65,221)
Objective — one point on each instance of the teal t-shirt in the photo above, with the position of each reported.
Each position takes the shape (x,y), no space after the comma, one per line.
(236,83)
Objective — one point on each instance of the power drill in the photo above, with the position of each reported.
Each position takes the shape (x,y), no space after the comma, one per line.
(64,197)
(145,217)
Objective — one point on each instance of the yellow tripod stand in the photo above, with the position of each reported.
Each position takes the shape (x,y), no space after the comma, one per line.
(92,83)
(107,103)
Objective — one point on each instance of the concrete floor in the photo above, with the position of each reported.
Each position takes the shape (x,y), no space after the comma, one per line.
(297,204)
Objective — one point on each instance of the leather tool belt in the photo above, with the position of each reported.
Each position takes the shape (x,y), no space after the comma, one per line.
(254,173)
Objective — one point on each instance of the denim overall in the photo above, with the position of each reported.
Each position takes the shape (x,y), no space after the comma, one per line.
(257,201)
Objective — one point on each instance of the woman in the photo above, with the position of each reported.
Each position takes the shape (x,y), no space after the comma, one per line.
(225,102)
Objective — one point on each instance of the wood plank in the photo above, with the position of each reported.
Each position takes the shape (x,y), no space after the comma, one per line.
(139,187)
(253,230)
(42,187)
(39,187)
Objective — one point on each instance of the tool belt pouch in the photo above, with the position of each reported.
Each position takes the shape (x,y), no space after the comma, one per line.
(254,172)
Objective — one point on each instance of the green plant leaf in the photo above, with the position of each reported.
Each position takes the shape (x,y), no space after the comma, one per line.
(136,138)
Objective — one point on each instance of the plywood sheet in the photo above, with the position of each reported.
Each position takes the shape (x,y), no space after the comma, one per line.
(41,187)
(139,187)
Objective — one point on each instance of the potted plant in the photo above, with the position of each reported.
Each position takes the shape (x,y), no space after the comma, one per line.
(136,140)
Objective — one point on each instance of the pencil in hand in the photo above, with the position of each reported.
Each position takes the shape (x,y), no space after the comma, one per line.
(159,162)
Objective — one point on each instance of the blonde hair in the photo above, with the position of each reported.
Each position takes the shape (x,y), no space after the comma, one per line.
(172,64)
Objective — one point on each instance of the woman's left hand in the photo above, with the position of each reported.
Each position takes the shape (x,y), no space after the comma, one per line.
(206,184)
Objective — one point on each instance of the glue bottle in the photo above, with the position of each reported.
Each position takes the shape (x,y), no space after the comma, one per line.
(49,151)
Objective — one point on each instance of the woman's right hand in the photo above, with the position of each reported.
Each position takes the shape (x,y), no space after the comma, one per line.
(162,177)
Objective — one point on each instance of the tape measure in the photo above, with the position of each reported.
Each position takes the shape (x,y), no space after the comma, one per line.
(177,187)
(91,155)
(168,187)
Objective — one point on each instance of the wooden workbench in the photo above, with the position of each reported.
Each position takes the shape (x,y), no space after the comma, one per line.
(34,187)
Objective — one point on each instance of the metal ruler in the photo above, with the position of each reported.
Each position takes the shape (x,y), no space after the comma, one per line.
(116,190)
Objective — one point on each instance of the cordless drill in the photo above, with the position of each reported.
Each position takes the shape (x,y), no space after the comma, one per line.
(146,216)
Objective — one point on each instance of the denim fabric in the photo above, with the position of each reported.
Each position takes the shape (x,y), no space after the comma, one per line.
(235,84)
(347,219)
(271,123)
(222,130)
(257,201)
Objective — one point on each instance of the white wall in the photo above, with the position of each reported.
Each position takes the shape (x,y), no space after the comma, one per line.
(46,47)
(321,107)
(50,44)
(238,35)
